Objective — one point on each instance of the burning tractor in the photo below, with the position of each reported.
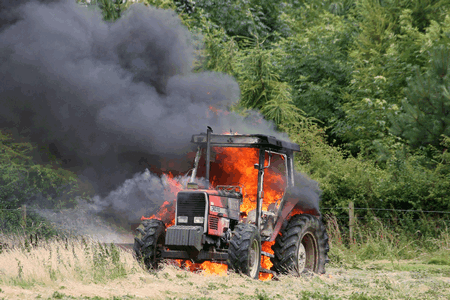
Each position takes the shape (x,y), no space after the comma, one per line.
(230,221)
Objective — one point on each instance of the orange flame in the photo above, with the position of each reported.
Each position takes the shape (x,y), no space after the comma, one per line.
(217,111)
(236,166)
(167,211)
(166,214)
(207,267)
(232,166)
(265,261)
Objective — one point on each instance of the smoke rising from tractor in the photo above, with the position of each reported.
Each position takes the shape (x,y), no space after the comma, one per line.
(109,99)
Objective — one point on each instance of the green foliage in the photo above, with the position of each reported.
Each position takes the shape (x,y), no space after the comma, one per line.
(315,63)
(395,239)
(106,263)
(386,51)
(425,114)
(306,295)
(245,18)
(218,51)
(111,9)
(414,185)
(21,180)
(163,4)
(404,182)
(261,87)
(363,70)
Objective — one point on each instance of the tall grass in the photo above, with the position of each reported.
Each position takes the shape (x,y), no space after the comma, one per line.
(50,262)
(373,239)
(71,259)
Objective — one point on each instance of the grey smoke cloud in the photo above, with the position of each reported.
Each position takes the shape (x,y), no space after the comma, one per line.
(107,96)
(101,94)
(307,192)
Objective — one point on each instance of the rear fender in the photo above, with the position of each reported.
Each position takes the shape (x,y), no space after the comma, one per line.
(292,202)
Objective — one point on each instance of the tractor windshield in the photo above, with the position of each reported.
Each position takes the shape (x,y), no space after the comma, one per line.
(236,166)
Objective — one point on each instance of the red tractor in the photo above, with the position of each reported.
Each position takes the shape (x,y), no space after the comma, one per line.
(210,224)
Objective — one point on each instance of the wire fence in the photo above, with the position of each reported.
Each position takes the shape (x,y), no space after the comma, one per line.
(388,209)
(351,218)
(330,208)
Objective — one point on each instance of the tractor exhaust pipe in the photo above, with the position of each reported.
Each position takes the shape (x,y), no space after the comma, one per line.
(208,153)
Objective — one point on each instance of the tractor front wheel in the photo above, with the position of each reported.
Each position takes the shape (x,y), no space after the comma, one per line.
(302,247)
(148,242)
(244,252)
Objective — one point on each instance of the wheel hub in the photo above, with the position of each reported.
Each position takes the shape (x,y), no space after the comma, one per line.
(253,258)
(301,258)
(307,255)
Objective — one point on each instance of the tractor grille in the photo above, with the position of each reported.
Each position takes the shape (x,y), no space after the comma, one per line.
(213,222)
(191,205)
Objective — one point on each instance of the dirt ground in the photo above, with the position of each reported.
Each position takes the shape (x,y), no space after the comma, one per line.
(371,280)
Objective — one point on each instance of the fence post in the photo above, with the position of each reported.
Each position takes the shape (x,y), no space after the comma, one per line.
(351,219)
(24,215)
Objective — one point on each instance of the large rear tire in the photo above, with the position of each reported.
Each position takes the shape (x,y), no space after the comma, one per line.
(148,241)
(302,247)
(244,252)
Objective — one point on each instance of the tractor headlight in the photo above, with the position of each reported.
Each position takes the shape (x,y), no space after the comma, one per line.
(182,219)
(198,220)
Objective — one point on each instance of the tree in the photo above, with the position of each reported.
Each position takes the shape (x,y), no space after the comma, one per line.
(22,181)
(261,87)
(111,9)
(316,63)
(21,178)
(386,51)
(244,18)
(425,114)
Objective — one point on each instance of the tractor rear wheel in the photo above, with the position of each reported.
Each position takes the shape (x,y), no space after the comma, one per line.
(244,252)
(302,247)
(148,241)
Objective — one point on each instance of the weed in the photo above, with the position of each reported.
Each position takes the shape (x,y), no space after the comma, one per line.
(262,295)
(307,295)
(52,273)
(212,286)
(20,269)
(58,295)
(363,296)
(439,261)
(391,240)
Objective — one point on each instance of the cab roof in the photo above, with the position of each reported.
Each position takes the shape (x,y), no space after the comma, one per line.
(266,142)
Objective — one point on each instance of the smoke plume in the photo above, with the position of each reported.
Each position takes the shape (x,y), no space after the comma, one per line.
(109,99)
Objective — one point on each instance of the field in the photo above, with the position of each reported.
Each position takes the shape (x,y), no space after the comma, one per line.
(85,269)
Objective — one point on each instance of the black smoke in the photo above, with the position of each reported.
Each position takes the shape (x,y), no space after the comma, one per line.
(105,96)
(108,99)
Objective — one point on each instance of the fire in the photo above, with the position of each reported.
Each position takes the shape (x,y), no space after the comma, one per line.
(233,166)
(166,214)
(217,111)
(207,267)
(236,165)
(167,211)
(265,261)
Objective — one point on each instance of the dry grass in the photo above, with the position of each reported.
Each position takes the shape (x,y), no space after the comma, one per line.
(75,269)
(81,260)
